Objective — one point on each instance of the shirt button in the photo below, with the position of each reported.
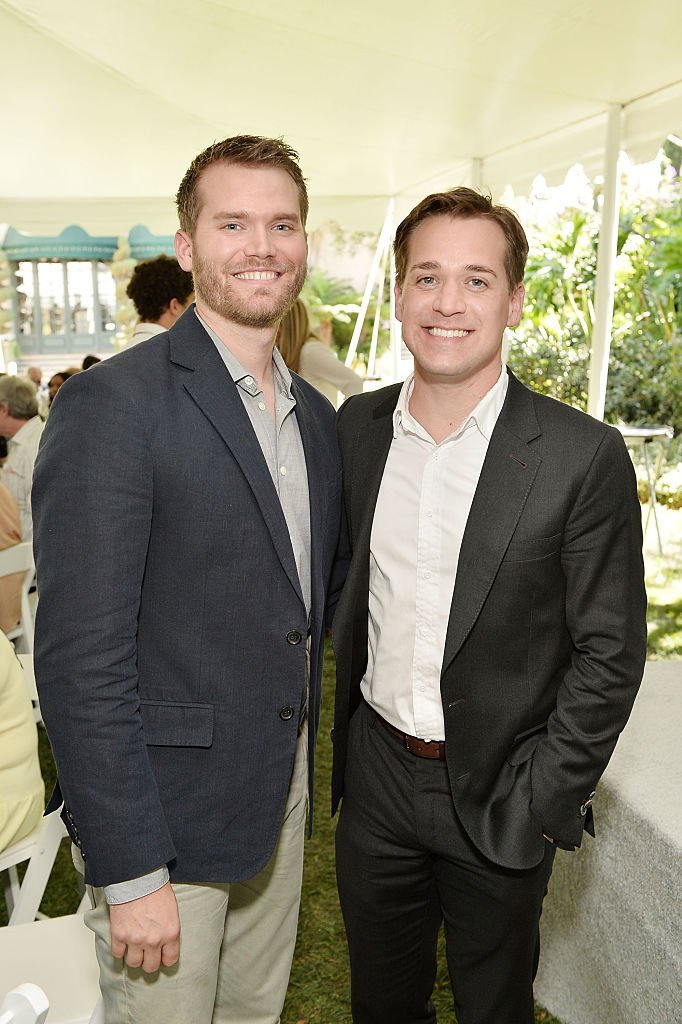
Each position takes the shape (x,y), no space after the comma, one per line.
(286,713)
(261,406)
(248,380)
(429,513)
(294,637)
(427,575)
(283,470)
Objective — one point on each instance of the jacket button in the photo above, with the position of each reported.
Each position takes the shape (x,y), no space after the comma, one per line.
(286,713)
(588,803)
(294,637)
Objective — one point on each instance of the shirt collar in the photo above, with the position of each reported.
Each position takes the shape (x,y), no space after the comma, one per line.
(484,415)
(240,375)
(26,432)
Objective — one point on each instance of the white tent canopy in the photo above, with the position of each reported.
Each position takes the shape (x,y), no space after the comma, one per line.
(106,104)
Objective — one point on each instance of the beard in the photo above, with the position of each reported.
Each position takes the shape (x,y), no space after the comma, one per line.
(213,286)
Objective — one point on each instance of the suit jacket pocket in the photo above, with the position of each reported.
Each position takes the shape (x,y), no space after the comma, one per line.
(525,743)
(169,723)
(528,549)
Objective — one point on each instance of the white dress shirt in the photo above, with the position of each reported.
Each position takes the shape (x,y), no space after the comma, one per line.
(422,509)
(143,331)
(17,473)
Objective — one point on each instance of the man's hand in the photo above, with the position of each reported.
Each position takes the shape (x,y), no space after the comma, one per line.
(148,928)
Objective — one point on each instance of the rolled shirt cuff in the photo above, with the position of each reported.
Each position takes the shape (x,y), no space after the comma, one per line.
(124,892)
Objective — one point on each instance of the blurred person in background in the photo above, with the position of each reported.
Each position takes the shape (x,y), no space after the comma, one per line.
(22,792)
(10,586)
(161,291)
(304,352)
(55,382)
(23,428)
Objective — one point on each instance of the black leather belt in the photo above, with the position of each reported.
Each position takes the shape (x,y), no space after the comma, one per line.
(433,749)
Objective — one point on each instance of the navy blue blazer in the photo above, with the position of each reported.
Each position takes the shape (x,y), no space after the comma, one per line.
(171,629)
(546,637)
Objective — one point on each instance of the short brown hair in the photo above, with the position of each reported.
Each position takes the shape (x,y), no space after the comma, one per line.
(154,283)
(466,203)
(248,150)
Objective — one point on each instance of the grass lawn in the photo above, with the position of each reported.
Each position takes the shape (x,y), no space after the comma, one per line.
(318,993)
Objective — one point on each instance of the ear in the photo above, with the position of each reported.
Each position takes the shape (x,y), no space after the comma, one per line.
(398,292)
(516,305)
(183,249)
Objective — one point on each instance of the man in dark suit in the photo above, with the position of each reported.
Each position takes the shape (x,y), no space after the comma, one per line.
(187,503)
(490,639)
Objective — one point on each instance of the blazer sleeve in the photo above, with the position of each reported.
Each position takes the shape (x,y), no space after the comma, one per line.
(92,507)
(606,618)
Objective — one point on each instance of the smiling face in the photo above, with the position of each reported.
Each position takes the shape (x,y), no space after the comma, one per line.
(455,301)
(248,252)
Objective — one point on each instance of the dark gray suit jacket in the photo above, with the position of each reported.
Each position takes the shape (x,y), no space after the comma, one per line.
(171,628)
(546,639)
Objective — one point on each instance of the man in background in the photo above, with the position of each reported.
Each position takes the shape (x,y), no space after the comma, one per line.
(23,428)
(490,639)
(161,291)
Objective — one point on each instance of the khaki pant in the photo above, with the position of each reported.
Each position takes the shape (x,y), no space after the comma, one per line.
(236,941)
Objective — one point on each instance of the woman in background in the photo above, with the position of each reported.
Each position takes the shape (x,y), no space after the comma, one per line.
(22,793)
(305,353)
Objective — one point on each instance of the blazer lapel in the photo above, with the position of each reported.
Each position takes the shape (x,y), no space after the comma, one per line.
(508,472)
(215,393)
(369,460)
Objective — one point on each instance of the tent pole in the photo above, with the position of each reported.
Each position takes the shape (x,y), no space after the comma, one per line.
(383,243)
(606,265)
(477,173)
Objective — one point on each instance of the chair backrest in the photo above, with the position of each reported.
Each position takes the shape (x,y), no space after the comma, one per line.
(19,558)
(59,956)
(39,849)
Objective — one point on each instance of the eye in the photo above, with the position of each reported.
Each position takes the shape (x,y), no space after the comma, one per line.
(283,227)
(427,279)
(478,282)
(231,227)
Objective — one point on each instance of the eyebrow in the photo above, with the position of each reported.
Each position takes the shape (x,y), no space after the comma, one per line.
(245,215)
(470,268)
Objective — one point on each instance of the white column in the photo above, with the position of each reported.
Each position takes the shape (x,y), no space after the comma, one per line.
(606,265)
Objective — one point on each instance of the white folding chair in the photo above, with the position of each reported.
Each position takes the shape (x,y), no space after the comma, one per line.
(39,849)
(58,956)
(25,1004)
(19,558)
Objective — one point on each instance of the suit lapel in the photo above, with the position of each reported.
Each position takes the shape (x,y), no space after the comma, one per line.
(215,393)
(369,459)
(505,482)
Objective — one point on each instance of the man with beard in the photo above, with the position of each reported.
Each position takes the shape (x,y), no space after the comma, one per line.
(182,591)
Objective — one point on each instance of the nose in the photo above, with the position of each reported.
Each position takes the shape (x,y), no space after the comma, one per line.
(450,299)
(260,242)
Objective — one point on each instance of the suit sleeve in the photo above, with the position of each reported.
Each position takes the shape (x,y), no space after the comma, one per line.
(606,619)
(92,506)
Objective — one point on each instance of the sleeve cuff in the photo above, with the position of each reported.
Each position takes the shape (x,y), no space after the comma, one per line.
(124,892)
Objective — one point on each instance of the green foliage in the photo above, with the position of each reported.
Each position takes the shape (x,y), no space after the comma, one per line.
(550,350)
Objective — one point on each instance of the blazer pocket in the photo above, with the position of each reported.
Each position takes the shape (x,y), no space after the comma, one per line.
(525,743)
(168,723)
(528,549)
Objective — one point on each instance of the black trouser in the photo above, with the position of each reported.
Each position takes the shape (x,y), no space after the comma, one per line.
(404,864)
